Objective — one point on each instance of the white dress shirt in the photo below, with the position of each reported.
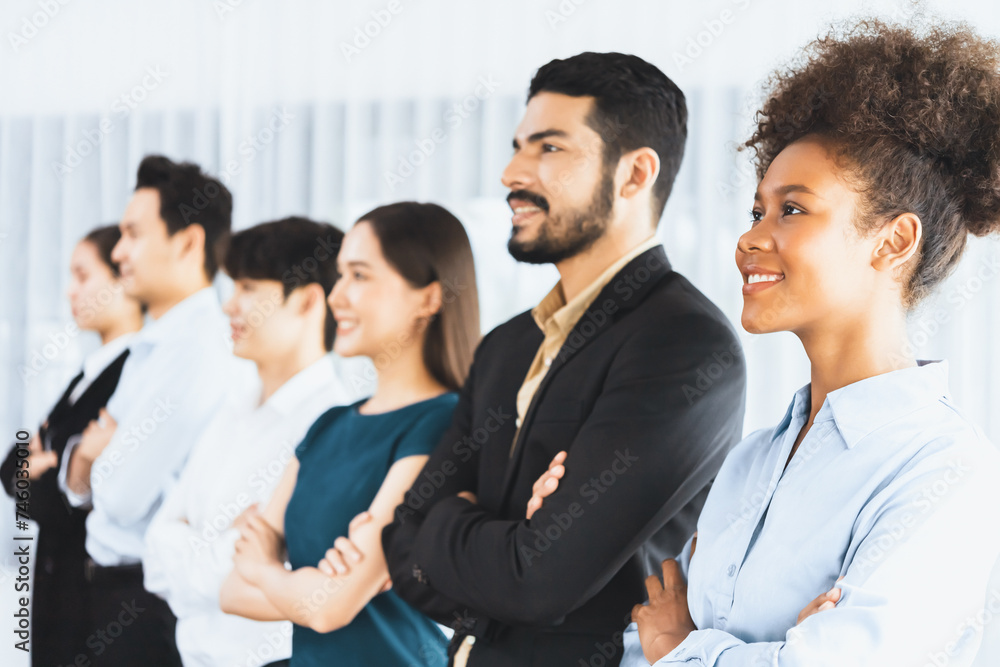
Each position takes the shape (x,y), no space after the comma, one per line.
(236,462)
(893,489)
(95,363)
(174,380)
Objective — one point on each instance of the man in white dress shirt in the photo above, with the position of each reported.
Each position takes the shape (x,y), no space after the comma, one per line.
(174,380)
(283,272)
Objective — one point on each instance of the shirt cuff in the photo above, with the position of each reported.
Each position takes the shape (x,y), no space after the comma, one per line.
(701,647)
(74,499)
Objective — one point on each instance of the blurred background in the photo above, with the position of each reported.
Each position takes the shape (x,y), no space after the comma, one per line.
(327,109)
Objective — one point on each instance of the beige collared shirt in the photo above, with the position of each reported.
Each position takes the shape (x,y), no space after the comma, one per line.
(556,318)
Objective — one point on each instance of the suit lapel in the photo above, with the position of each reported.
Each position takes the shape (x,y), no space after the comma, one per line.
(622,294)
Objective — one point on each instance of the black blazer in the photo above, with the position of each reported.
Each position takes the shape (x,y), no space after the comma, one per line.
(62,526)
(646,396)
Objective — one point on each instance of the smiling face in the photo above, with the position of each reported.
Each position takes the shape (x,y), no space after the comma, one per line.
(561,194)
(377,311)
(263,322)
(804,264)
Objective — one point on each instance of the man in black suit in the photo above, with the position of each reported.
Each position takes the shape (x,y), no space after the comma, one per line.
(624,365)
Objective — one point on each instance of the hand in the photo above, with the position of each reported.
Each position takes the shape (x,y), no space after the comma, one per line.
(547,484)
(344,551)
(259,546)
(468,495)
(96,436)
(666,621)
(39,460)
(243,517)
(822,602)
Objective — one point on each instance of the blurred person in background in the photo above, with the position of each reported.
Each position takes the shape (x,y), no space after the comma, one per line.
(98,303)
(283,272)
(176,377)
(407,299)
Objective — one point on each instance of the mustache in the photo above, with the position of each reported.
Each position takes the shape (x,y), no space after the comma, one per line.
(530,197)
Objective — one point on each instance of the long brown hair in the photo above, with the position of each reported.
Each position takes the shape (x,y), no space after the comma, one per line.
(425,243)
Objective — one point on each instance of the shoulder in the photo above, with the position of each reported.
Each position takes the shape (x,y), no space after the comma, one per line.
(319,427)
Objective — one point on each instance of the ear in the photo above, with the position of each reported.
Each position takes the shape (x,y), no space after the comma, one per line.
(897,242)
(312,296)
(640,167)
(191,242)
(433,299)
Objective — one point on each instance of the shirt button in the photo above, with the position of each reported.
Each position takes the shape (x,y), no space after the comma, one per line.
(518,422)
(548,361)
(731,571)
(419,575)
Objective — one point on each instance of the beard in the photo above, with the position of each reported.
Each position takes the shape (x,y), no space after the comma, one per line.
(569,233)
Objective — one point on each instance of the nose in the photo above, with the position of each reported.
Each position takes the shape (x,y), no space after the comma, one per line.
(118,252)
(756,239)
(336,294)
(229,307)
(519,173)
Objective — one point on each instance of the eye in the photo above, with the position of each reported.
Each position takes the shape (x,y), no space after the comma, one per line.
(755,216)
(357,275)
(549,148)
(790,209)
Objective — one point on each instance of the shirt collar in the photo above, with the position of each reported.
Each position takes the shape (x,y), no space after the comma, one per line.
(555,310)
(188,315)
(300,387)
(865,406)
(102,357)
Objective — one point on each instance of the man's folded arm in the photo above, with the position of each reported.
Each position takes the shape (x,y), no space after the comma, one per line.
(655,438)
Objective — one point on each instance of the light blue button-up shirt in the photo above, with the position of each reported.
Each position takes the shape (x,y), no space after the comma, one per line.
(892,488)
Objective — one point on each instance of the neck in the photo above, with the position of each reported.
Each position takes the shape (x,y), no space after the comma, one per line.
(403,381)
(857,349)
(120,328)
(274,373)
(159,308)
(579,271)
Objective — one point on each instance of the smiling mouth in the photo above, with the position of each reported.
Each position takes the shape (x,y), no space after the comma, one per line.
(522,213)
(758,282)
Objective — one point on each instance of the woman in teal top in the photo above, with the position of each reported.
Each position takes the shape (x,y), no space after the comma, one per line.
(389,305)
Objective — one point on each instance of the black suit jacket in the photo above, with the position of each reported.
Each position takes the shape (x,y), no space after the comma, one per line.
(646,396)
(62,531)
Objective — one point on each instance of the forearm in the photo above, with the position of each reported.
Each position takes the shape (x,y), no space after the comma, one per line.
(241,598)
(309,597)
(78,472)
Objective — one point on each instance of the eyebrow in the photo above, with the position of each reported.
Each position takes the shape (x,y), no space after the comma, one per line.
(357,263)
(785,189)
(538,136)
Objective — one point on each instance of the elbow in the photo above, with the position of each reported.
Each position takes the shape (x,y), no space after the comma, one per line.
(328,621)
(228,602)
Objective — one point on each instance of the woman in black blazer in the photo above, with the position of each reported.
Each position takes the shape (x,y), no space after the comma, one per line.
(98,304)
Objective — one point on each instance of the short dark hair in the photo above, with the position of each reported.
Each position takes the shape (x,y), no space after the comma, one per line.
(104,240)
(188,196)
(425,243)
(295,251)
(916,115)
(635,106)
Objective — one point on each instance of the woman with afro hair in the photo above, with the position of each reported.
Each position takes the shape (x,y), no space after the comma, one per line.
(877,153)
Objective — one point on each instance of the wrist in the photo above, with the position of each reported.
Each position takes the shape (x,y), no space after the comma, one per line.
(662,645)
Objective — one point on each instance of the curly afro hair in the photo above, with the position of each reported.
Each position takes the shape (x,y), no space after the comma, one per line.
(915,115)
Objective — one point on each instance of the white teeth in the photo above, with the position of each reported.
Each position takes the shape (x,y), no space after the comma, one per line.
(762,278)
(526,209)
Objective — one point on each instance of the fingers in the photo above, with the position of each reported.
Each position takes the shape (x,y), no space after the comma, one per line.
(333,563)
(636,610)
(348,549)
(653,586)
(822,602)
(672,575)
(533,506)
(558,459)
